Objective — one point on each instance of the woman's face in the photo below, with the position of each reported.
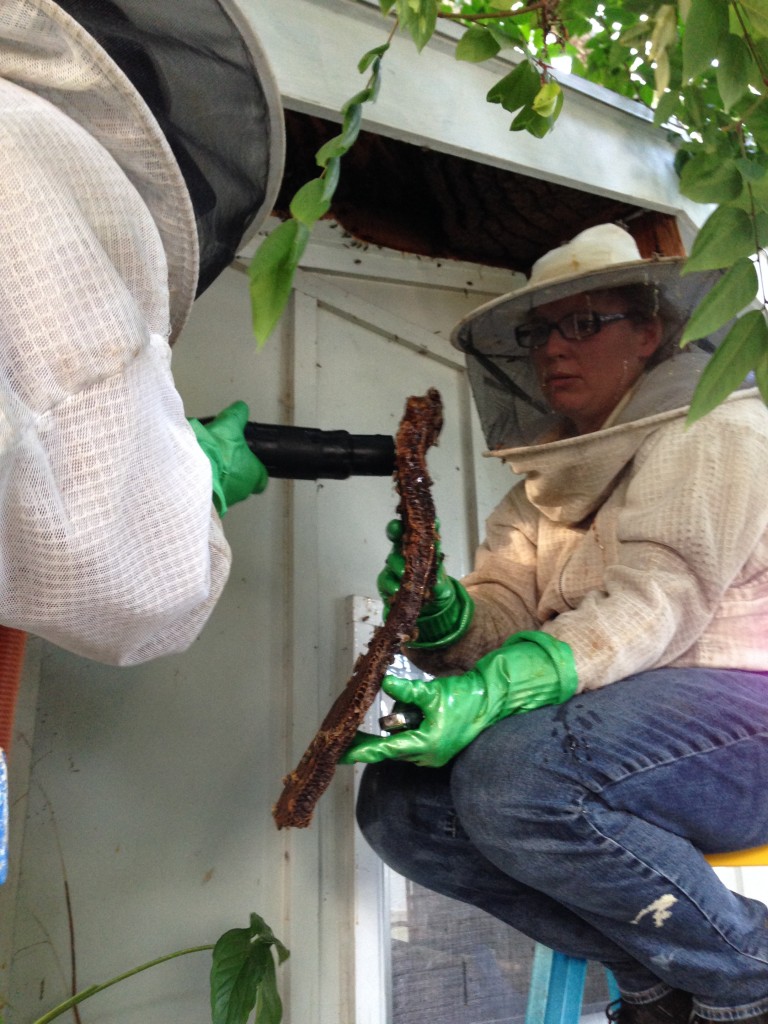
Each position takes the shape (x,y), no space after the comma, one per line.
(584,380)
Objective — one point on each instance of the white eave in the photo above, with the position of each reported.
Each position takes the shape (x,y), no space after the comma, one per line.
(603,143)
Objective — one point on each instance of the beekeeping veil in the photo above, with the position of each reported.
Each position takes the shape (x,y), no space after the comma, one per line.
(195,70)
(510,404)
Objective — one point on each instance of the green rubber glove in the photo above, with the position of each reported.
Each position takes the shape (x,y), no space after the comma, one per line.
(237,472)
(530,670)
(444,619)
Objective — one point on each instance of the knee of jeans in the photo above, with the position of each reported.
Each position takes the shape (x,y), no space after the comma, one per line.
(483,790)
(499,795)
(376,809)
(394,811)
(406,815)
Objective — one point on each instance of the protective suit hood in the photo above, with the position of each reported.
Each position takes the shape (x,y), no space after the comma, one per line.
(159,85)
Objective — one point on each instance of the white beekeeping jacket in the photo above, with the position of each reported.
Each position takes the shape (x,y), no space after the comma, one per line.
(109,544)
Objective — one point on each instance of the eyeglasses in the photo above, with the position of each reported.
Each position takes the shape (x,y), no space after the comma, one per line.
(573,327)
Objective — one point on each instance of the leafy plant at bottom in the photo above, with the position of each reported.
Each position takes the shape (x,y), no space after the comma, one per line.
(243,977)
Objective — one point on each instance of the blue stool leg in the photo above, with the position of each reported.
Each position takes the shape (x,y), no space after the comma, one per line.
(613,988)
(557,988)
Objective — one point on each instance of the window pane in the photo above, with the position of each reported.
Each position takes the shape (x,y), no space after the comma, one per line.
(458,965)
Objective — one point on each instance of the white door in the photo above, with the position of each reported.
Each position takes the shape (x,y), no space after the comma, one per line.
(359,349)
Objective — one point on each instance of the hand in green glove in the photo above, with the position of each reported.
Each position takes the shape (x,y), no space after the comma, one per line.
(237,472)
(530,670)
(447,616)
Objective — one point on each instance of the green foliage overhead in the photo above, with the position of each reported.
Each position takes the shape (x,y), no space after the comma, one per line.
(728,298)
(701,65)
(272,269)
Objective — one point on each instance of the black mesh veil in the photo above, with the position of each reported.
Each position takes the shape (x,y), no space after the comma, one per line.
(512,409)
(508,399)
(201,72)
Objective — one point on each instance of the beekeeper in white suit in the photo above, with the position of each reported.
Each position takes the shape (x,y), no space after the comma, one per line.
(139,142)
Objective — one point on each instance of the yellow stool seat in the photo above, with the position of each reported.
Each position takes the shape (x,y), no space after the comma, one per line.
(752,857)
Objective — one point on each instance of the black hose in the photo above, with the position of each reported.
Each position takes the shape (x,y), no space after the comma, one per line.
(306,453)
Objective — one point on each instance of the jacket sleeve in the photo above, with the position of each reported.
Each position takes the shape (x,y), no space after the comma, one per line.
(109,545)
(690,526)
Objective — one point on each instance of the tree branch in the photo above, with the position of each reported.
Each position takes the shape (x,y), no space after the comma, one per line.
(528,9)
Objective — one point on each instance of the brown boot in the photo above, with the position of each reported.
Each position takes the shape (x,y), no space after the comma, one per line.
(674,1007)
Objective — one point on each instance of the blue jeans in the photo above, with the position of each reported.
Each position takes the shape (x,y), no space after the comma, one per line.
(582,825)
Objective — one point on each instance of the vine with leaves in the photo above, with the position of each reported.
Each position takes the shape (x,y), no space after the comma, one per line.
(700,65)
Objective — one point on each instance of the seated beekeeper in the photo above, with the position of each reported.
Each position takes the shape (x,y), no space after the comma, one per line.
(127,184)
(600,716)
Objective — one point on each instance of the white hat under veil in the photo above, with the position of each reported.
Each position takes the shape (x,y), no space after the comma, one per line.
(512,409)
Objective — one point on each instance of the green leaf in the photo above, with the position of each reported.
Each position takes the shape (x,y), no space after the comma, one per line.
(517,89)
(508,34)
(243,975)
(271,273)
(757,122)
(726,236)
(342,143)
(736,289)
(751,169)
(419,17)
(706,24)
(372,55)
(386,6)
(682,156)
(741,350)
(661,73)
(755,195)
(269,1008)
(261,930)
(761,376)
(546,99)
(708,178)
(666,107)
(761,59)
(310,202)
(534,123)
(353,115)
(635,35)
(358,99)
(663,38)
(477,44)
(664,32)
(237,972)
(694,106)
(331,178)
(758,15)
(735,69)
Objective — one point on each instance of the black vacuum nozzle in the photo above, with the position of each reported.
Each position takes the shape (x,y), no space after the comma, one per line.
(306,453)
